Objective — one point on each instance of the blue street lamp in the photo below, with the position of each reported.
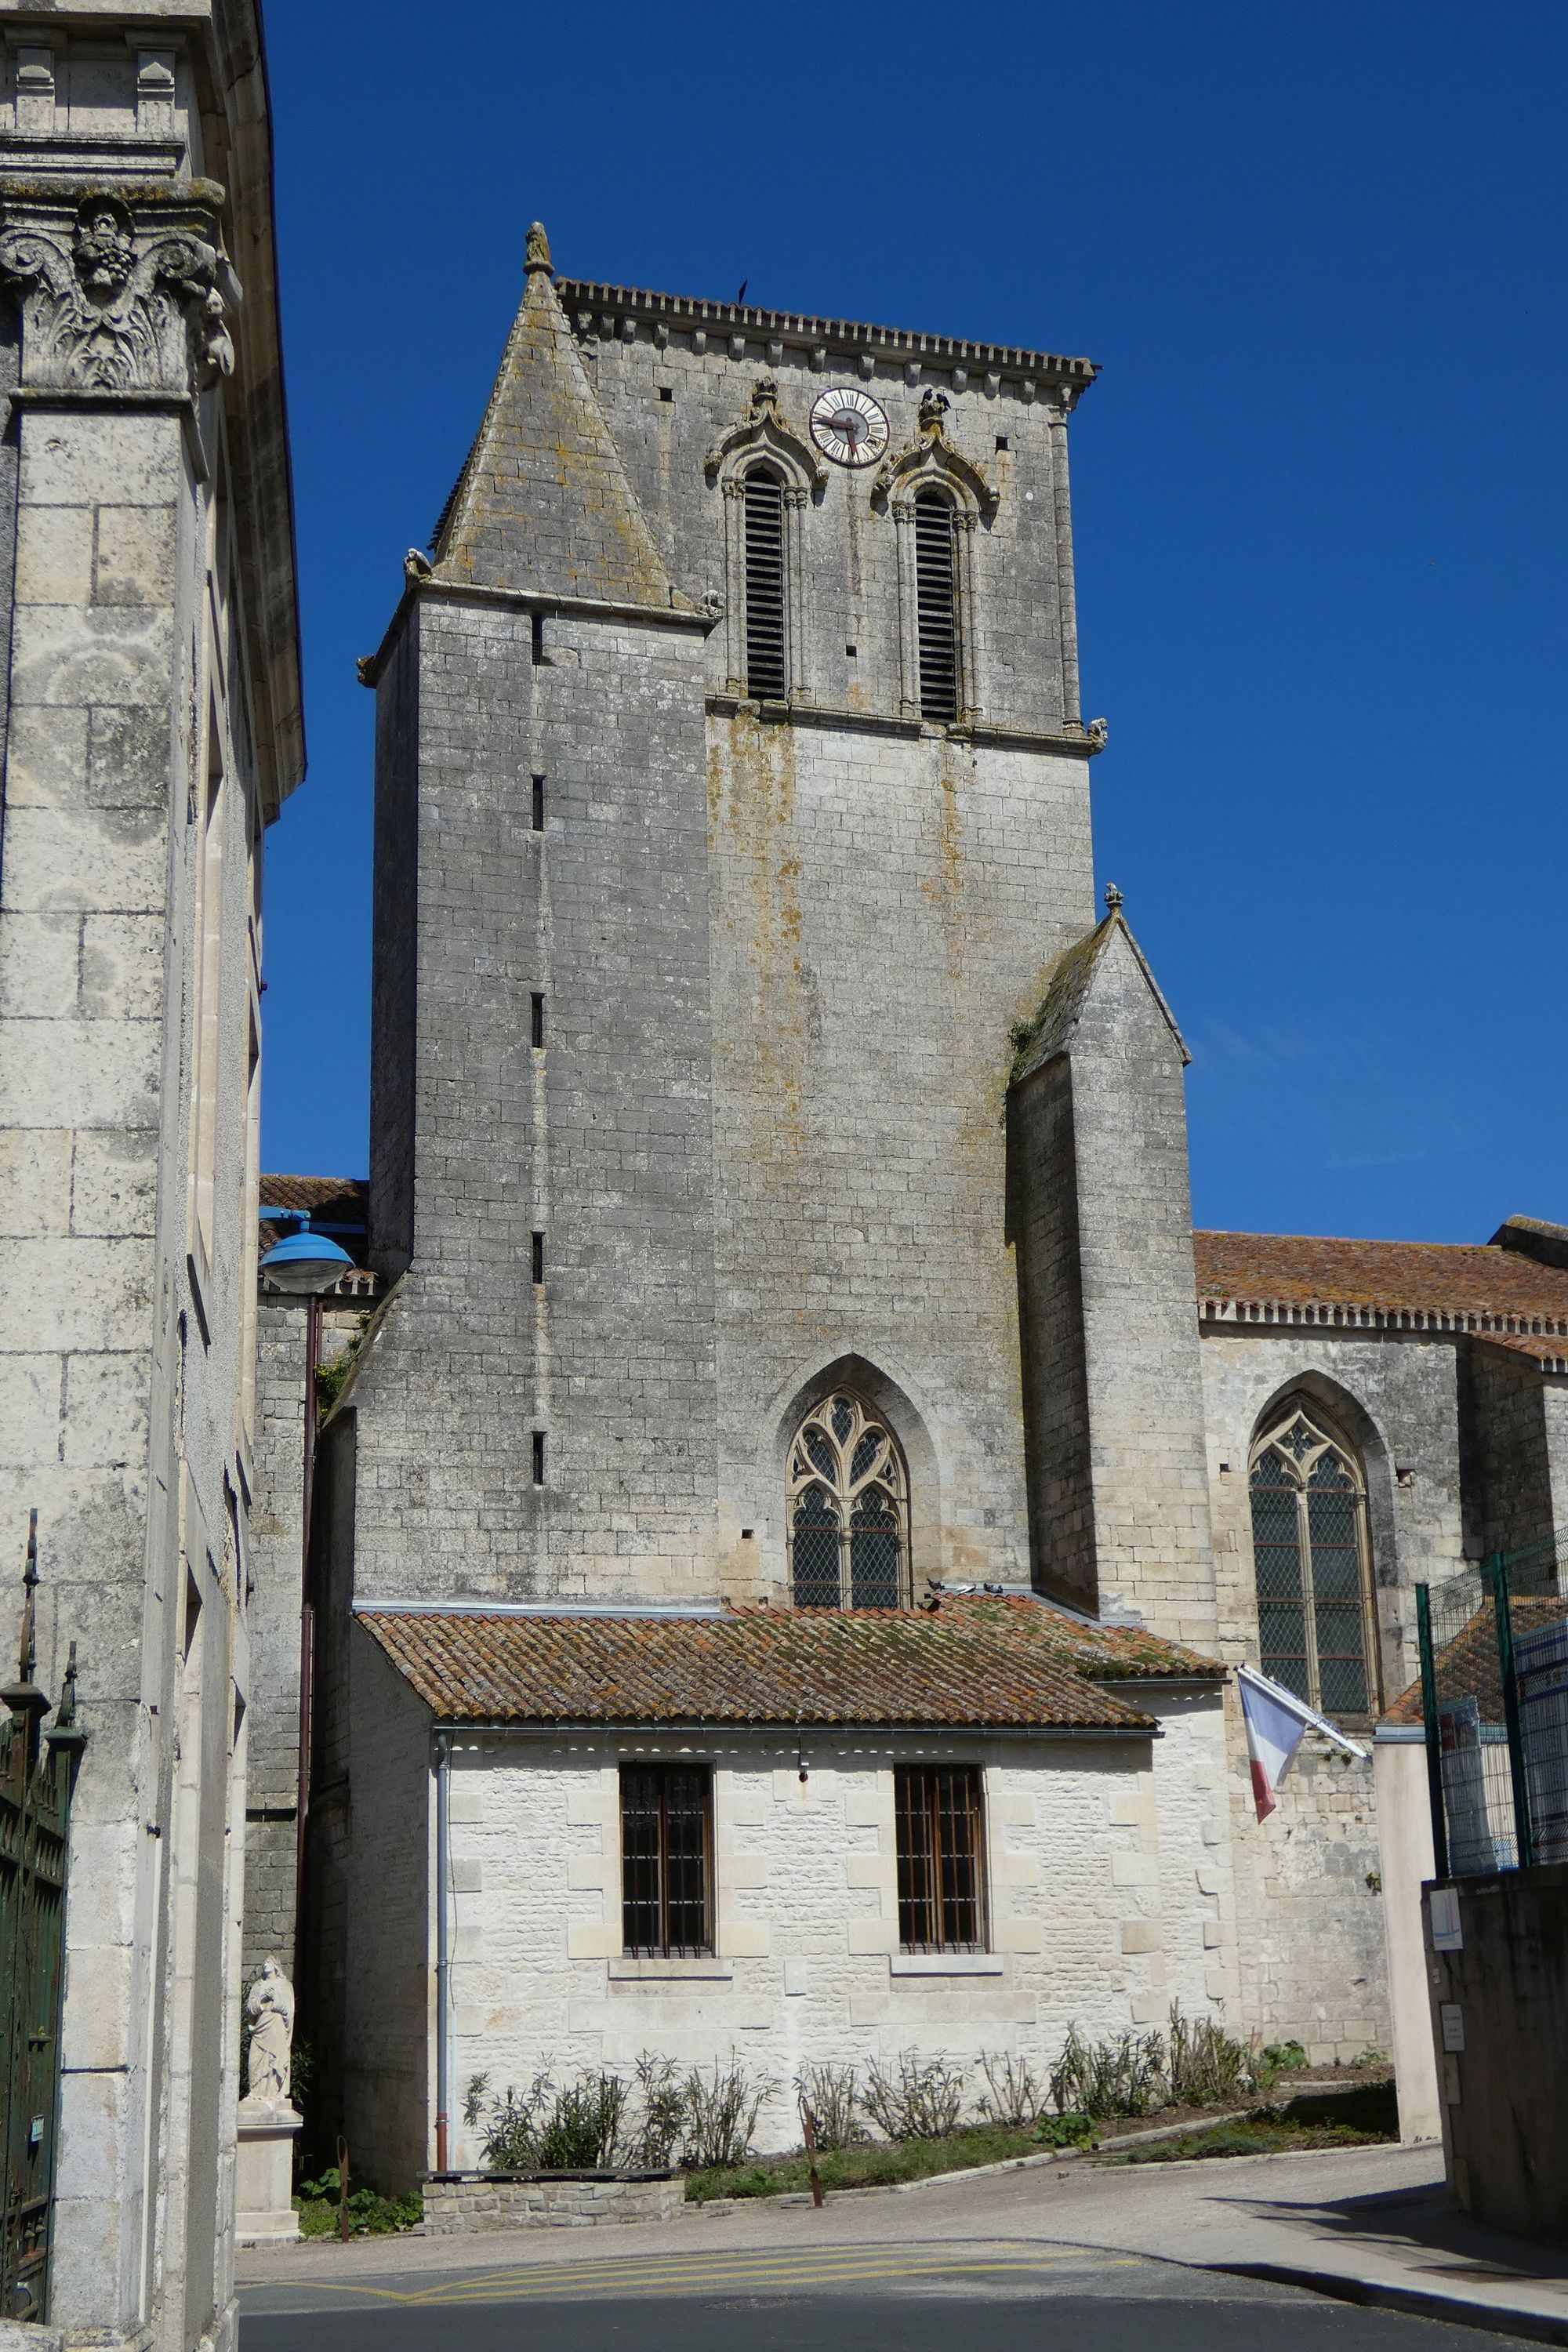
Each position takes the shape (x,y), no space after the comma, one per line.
(303,1262)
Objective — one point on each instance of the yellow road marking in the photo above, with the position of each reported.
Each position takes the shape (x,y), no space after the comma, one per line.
(634,2278)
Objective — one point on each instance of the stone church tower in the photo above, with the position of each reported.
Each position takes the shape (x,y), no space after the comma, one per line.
(778,1192)
(732,814)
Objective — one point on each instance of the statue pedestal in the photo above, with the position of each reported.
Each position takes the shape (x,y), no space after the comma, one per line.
(264,2182)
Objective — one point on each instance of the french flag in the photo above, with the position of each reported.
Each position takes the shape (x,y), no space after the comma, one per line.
(1276,1718)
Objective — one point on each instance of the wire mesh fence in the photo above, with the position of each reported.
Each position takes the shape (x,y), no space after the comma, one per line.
(1494,1692)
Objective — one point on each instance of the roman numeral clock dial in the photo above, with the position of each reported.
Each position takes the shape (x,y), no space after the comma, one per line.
(848,427)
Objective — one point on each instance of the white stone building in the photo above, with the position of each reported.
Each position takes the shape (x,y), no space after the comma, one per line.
(152,723)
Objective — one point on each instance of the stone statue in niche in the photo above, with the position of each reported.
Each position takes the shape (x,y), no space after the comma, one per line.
(269,2009)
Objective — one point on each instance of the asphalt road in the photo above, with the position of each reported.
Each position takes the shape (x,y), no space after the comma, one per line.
(1016,2296)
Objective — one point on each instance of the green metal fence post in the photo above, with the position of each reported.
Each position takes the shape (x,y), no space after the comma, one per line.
(1525,1838)
(1429,1717)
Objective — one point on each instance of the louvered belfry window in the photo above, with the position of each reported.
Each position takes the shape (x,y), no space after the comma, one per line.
(936,603)
(667,1814)
(941,1895)
(765,585)
(1310,1557)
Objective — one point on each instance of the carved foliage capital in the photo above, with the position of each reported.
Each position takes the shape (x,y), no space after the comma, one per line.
(117,296)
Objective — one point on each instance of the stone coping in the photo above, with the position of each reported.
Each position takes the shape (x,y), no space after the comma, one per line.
(483,2173)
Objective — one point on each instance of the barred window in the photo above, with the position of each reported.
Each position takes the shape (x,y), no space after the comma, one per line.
(667,1860)
(936,603)
(848,1510)
(1312,1560)
(764,584)
(942,1894)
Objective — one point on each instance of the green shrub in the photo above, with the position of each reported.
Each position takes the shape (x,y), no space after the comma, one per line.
(1065,2131)
(318,2204)
(1122,2075)
(921,2099)
(832,2093)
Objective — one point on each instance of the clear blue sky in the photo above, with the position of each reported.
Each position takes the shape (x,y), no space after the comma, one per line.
(1320,489)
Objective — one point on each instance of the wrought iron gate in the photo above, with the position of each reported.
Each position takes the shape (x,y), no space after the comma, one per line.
(38,1769)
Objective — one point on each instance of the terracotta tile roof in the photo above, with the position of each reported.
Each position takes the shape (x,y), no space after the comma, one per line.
(975,1663)
(1418,1286)
(1551,1355)
(1467,1665)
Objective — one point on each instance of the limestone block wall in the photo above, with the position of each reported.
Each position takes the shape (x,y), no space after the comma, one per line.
(1107,1901)
(599,1137)
(1513,1417)
(883,912)
(277,1537)
(387,1986)
(150,722)
(1101,1213)
(1310,1924)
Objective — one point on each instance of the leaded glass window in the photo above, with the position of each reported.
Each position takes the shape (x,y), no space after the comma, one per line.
(1310,1557)
(848,1510)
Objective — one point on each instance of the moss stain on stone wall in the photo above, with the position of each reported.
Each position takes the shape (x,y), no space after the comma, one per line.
(750,791)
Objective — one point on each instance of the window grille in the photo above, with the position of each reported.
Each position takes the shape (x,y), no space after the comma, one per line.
(765,585)
(936,604)
(1311,1560)
(941,1901)
(848,1510)
(667,1845)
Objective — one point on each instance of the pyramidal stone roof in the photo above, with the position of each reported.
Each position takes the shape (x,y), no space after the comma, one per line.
(1050,1033)
(544,503)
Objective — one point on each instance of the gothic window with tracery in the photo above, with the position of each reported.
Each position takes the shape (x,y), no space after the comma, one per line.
(1311,1558)
(848,1510)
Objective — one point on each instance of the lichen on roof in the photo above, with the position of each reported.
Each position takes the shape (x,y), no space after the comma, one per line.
(1006,1662)
(1049,1027)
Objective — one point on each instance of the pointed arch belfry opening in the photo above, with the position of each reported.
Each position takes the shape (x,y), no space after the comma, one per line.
(1313,1560)
(937,499)
(768,474)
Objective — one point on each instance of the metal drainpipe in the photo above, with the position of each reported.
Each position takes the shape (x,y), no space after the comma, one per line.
(443,1957)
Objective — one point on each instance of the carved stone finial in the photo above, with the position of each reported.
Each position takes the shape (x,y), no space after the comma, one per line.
(1099,733)
(364,668)
(1113,900)
(537,256)
(765,395)
(934,406)
(416,566)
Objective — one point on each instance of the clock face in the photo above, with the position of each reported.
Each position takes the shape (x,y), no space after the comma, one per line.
(848,427)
